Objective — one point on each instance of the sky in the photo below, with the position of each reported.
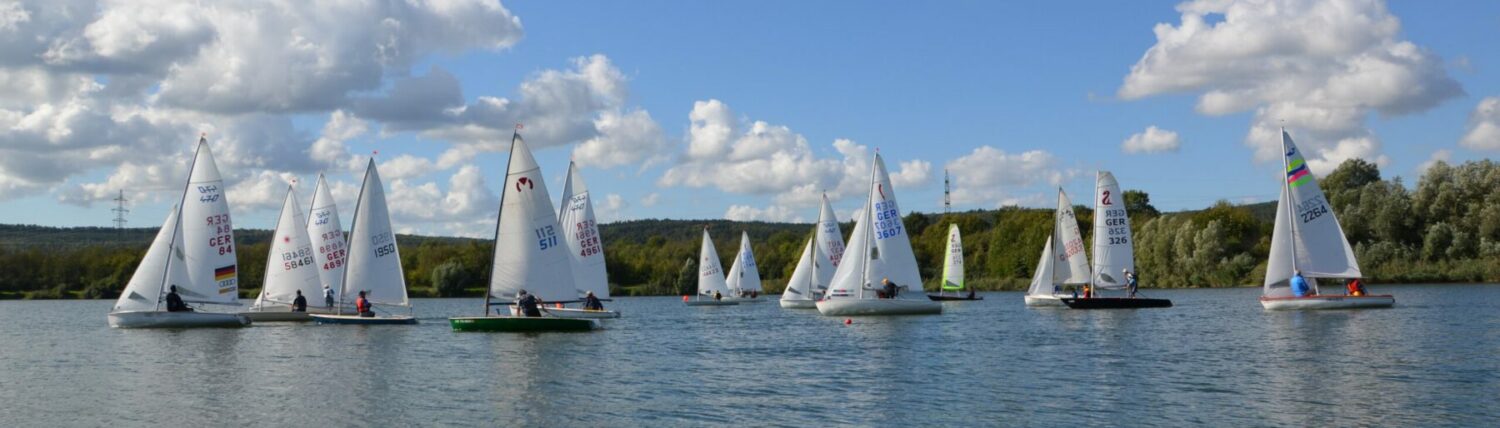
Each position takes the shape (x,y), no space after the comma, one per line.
(741,110)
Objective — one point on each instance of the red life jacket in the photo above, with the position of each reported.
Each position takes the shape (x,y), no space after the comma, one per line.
(362,305)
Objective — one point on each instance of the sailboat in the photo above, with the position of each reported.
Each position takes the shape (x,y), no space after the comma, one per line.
(1114,251)
(953,270)
(820,257)
(529,255)
(331,250)
(1061,264)
(193,252)
(712,288)
(374,261)
(744,276)
(881,251)
(1307,239)
(581,233)
(290,268)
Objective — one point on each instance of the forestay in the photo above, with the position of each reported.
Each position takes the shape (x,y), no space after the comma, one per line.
(1042,278)
(207,235)
(744,276)
(881,245)
(290,266)
(1113,244)
(1307,234)
(1072,264)
(374,263)
(581,232)
(953,261)
(529,250)
(327,234)
(155,273)
(710,271)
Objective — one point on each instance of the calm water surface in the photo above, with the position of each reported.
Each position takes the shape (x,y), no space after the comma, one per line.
(1215,359)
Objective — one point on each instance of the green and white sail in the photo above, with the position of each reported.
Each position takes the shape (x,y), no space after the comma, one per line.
(953,261)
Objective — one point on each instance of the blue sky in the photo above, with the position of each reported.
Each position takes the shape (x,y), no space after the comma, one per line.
(1018,97)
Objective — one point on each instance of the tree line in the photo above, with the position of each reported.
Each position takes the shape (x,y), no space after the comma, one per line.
(1444,229)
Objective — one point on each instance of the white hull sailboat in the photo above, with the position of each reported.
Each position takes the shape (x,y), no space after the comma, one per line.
(1308,239)
(330,247)
(193,252)
(818,262)
(290,268)
(1063,264)
(529,256)
(744,275)
(713,290)
(374,261)
(881,250)
(586,247)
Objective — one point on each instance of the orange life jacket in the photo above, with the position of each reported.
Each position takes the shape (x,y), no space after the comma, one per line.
(362,305)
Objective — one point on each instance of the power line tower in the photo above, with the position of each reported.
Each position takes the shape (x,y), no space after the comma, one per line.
(947,193)
(120,210)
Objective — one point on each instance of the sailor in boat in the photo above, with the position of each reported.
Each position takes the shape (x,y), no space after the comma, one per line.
(889,289)
(1299,284)
(717,296)
(174,302)
(529,304)
(1356,288)
(1130,282)
(327,296)
(362,305)
(592,302)
(300,303)
(971,294)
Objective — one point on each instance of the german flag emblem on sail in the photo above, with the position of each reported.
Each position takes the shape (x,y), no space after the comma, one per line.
(224,273)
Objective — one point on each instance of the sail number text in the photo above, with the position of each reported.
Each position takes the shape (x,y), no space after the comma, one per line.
(586,234)
(383,244)
(546,237)
(209,193)
(1117,227)
(295,259)
(887,220)
(223,233)
(1311,209)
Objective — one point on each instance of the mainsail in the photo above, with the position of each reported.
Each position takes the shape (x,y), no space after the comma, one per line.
(830,242)
(953,261)
(1113,246)
(374,263)
(1072,264)
(882,249)
(744,277)
(581,232)
(529,250)
(327,235)
(1307,235)
(290,266)
(207,235)
(710,271)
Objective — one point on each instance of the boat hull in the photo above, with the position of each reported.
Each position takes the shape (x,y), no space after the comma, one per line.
(163,319)
(359,320)
(1115,303)
(521,324)
(746,299)
(1327,302)
(850,307)
(799,304)
(586,314)
(942,298)
(1044,301)
(711,302)
(277,316)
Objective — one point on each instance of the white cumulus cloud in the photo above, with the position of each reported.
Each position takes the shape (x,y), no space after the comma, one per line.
(1484,126)
(1152,140)
(991,177)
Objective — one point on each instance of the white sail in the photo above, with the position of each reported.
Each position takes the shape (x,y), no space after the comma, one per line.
(953,261)
(804,282)
(327,235)
(744,276)
(710,271)
(155,273)
(290,266)
(830,242)
(1307,235)
(529,250)
(374,263)
(581,232)
(208,235)
(1113,245)
(1041,279)
(1072,264)
(883,249)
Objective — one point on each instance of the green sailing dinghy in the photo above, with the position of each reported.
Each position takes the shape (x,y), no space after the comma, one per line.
(529,255)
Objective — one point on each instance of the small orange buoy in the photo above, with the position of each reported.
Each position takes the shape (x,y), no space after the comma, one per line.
(684,298)
(848,321)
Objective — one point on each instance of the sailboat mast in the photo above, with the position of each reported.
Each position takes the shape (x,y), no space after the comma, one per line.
(166,268)
(1094,267)
(1056,218)
(495,251)
(353,226)
(869,214)
(1286,188)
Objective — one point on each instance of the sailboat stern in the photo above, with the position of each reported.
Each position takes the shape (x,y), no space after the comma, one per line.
(1316,302)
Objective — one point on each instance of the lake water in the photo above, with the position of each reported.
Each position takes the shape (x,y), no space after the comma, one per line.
(1215,359)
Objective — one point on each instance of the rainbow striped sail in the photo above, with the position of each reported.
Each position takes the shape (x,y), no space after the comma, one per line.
(1296,171)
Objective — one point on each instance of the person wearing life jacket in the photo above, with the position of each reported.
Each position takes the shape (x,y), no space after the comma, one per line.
(1356,288)
(300,303)
(591,302)
(1299,284)
(362,305)
(327,296)
(1130,282)
(529,304)
(174,302)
